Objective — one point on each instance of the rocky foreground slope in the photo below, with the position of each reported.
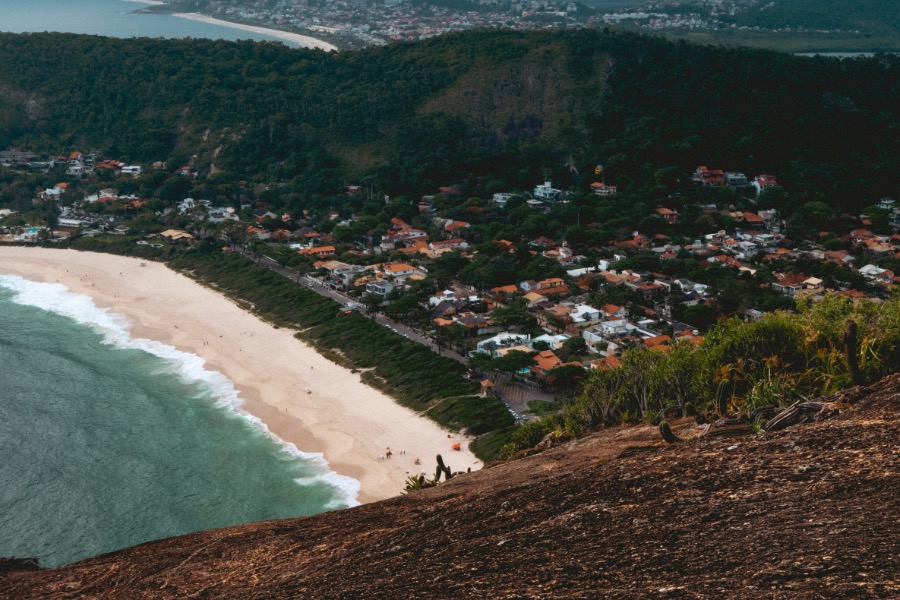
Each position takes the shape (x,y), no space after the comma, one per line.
(809,512)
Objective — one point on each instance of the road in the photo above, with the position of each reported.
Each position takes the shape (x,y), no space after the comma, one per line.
(514,394)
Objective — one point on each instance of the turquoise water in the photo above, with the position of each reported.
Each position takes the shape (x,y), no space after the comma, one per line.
(114,18)
(108,441)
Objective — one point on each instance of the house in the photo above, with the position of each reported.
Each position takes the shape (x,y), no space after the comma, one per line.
(555,341)
(752,219)
(176,234)
(667,214)
(707,177)
(345,275)
(475,322)
(606,363)
(611,310)
(398,271)
(735,179)
(451,225)
(317,251)
(547,287)
(887,204)
(584,314)
(502,340)
(791,284)
(876,273)
(601,189)
(546,192)
(658,343)
(501,198)
(504,291)
(545,362)
(763,182)
(379,288)
(840,257)
(451,244)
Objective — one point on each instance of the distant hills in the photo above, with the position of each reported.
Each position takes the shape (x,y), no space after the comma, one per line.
(500,108)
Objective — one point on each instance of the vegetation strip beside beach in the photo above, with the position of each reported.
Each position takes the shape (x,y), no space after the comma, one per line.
(414,375)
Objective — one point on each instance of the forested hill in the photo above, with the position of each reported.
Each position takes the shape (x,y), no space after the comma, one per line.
(866,16)
(502,108)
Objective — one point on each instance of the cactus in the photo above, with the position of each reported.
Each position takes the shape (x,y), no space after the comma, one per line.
(688,409)
(851,347)
(441,468)
(667,434)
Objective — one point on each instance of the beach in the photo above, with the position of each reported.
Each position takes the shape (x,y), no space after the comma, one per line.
(303,399)
(303,40)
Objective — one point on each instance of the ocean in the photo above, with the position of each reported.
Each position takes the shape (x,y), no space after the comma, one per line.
(109,441)
(113,18)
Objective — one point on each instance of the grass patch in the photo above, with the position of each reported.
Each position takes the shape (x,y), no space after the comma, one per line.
(478,415)
(540,408)
(489,446)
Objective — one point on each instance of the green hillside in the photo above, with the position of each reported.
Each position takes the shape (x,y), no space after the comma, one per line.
(488,109)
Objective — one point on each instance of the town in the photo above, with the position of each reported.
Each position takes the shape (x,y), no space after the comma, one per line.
(355,25)
(537,311)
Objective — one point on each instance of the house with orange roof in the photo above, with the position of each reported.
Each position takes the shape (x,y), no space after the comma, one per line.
(451,244)
(456,225)
(544,362)
(317,251)
(791,284)
(397,271)
(611,310)
(548,287)
(752,219)
(601,189)
(667,214)
(659,343)
(606,363)
(763,182)
(504,291)
(708,177)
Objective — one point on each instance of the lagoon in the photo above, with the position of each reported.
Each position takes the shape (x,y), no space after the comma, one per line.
(113,18)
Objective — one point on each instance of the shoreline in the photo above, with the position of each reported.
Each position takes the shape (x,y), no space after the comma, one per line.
(304,40)
(300,396)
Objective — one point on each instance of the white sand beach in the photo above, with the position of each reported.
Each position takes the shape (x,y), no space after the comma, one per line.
(303,40)
(302,397)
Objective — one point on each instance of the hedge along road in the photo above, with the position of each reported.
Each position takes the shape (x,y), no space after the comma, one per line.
(514,394)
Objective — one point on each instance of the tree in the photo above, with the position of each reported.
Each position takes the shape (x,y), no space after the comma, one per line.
(372,302)
(566,378)
(512,315)
(674,376)
(406,309)
(600,400)
(637,371)
(574,346)
(513,361)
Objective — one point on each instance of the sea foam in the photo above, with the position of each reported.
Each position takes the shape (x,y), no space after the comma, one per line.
(115,329)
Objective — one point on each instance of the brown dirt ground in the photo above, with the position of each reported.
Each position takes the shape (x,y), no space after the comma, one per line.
(809,512)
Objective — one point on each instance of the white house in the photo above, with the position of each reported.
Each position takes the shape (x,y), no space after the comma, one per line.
(546,191)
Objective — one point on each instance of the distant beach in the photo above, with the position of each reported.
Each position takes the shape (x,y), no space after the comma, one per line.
(303,40)
(302,398)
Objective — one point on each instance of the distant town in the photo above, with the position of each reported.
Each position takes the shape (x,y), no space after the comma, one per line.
(351,24)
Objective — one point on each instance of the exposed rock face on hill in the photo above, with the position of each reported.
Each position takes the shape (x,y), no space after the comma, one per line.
(811,511)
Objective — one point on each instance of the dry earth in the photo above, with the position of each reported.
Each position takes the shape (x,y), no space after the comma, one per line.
(809,512)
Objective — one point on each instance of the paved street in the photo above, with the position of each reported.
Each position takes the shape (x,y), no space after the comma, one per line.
(514,394)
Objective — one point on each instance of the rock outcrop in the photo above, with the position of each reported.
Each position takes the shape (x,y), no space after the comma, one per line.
(809,511)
